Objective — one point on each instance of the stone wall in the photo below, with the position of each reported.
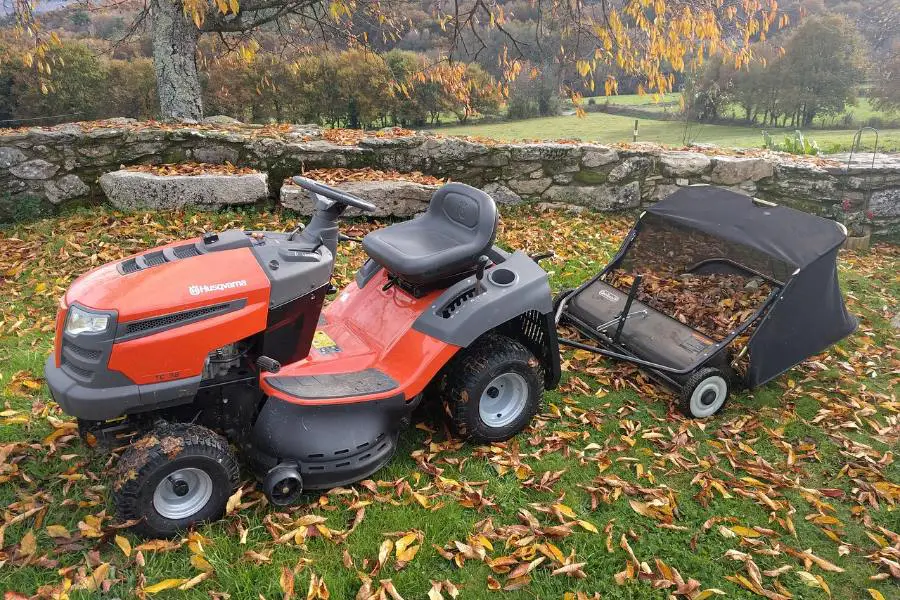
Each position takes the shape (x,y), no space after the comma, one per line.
(62,165)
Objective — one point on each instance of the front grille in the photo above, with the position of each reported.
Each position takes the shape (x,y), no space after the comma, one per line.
(173,319)
(85,353)
(76,370)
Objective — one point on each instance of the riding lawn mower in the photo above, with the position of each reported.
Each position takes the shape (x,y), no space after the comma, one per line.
(190,351)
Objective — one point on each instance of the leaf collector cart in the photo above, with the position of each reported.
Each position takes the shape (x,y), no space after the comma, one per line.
(710,235)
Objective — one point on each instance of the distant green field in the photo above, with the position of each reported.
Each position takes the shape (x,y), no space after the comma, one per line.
(636,100)
(860,113)
(606,128)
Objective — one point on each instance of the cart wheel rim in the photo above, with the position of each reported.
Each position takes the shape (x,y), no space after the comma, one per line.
(708,396)
(503,400)
(182,493)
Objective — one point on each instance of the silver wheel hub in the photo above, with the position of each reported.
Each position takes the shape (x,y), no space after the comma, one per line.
(503,400)
(708,396)
(183,493)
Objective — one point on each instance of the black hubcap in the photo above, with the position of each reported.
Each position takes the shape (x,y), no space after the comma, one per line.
(180,487)
(493,392)
(286,488)
(708,397)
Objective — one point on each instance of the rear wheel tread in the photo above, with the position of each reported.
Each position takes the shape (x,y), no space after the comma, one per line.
(467,375)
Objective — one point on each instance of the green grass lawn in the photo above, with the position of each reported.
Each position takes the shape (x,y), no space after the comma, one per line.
(608,129)
(638,100)
(793,485)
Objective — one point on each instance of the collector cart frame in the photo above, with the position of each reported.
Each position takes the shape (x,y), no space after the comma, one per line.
(793,251)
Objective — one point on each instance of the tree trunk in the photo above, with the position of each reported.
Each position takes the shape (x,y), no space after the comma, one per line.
(175,60)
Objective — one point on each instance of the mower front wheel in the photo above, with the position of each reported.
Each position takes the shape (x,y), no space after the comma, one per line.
(174,477)
(704,393)
(494,390)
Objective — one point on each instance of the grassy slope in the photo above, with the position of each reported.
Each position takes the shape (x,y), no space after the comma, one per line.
(604,416)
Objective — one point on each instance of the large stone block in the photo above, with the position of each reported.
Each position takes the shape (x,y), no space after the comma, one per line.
(598,156)
(444,153)
(885,203)
(37,168)
(732,170)
(546,151)
(683,164)
(597,197)
(391,197)
(529,187)
(65,188)
(502,194)
(630,168)
(130,190)
(217,154)
(10,157)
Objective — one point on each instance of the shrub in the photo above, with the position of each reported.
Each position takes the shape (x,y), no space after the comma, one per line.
(130,89)
(792,144)
(77,84)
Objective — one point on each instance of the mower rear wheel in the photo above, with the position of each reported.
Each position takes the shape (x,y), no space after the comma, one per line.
(704,393)
(493,389)
(174,477)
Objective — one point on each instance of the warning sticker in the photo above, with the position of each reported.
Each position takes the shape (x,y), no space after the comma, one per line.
(323,343)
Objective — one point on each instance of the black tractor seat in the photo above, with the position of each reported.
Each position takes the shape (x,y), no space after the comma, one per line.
(458,227)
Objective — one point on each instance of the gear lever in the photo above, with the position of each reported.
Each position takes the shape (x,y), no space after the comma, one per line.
(481,263)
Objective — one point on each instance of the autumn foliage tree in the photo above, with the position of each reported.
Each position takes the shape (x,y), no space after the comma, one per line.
(813,73)
(650,40)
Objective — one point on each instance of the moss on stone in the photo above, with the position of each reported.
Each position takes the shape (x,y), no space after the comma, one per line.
(590,177)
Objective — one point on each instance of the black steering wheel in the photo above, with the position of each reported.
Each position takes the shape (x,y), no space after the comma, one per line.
(332,194)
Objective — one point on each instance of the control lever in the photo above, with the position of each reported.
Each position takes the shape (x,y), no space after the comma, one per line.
(346,238)
(295,231)
(267,364)
(481,263)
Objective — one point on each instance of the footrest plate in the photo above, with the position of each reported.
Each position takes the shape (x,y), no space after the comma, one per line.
(337,385)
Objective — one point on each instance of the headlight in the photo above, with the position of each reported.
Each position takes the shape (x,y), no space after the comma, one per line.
(81,321)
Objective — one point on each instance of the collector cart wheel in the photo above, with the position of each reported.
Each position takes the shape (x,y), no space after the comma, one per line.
(493,389)
(174,477)
(704,393)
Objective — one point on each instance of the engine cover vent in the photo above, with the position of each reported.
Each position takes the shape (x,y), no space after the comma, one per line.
(156,258)
(186,251)
(130,266)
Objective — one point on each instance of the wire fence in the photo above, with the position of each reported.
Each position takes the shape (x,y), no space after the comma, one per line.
(33,119)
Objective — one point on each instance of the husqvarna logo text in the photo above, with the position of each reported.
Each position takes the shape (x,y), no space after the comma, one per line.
(196,290)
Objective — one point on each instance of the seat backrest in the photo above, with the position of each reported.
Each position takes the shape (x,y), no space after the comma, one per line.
(469,209)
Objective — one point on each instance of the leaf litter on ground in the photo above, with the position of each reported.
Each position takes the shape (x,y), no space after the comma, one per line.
(797,494)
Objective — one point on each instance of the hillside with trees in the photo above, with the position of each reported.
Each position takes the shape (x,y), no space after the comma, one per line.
(416,64)
(816,73)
